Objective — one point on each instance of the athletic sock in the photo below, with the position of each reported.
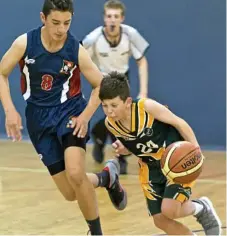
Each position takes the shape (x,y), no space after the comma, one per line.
(104,178)
(94,226)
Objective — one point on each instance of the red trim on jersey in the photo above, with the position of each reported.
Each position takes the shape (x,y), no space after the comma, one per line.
(74,83)
(23,83)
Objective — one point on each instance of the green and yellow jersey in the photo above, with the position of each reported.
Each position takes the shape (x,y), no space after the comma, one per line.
(147,137)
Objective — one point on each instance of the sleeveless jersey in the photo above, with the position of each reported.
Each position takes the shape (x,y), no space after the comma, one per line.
(49,79)
(148,137)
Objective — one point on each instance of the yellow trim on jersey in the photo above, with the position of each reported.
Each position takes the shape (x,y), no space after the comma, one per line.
(143,172)
(157,155)
(122,127)
(141,116)
(150,120)
(118,129)
(112,130)
(148,191)
(133,118)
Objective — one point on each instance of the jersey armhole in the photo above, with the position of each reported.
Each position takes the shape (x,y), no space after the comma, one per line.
(26,49)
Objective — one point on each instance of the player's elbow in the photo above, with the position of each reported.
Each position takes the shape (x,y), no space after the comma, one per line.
(142,61)
(3,74)
(3,80)
(180,124)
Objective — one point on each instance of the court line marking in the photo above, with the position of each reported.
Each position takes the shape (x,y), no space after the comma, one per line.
(39,170)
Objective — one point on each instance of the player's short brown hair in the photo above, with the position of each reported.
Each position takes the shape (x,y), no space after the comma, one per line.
(115,4)
(57,5)
(113,85)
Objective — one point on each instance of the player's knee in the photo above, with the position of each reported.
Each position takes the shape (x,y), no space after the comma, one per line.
(170,212)
(160,221)
(76,176)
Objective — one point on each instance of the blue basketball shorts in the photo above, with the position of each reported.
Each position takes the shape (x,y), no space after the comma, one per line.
(48,125)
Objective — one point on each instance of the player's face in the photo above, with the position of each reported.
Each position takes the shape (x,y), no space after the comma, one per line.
(116,108)
(113,19)
(57,24)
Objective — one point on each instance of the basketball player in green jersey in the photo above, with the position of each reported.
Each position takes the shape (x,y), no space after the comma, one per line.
(145,128)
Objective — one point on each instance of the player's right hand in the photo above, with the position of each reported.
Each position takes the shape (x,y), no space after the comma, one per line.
(13,124)
(120,149)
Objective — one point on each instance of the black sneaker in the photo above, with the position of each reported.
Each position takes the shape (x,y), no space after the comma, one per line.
(117,194)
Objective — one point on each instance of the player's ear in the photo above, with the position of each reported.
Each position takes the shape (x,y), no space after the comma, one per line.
(42,18)
(128,102)
(122,19)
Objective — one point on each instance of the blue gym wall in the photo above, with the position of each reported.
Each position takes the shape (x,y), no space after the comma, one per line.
(187,55)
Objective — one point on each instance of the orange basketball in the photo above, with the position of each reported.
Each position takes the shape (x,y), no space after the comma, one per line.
(182,162)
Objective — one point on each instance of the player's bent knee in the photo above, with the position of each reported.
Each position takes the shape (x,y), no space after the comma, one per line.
(160,221)
(171,210)
(76,176)
(171,214)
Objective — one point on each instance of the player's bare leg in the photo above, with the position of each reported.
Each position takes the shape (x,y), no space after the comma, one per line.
(170,226)
(202,209)
(85,192)
(66,189)
(108,178)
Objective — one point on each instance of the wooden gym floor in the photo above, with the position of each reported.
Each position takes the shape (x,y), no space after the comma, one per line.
(31,204)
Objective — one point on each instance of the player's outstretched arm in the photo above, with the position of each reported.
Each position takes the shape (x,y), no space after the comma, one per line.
(143,76)
(94,77)
(7,64)
(163,114)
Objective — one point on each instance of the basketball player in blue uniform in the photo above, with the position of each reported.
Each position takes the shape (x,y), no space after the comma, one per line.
(57,114)
(145,128)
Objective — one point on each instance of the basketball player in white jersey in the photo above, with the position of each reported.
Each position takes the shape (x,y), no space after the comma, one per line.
(111,46)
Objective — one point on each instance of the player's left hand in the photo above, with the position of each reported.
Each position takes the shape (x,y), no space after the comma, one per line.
(120,149)
(80,126)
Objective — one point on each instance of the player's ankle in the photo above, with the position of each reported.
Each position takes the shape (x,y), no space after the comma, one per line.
(198,208)
(94,226)
(103,178)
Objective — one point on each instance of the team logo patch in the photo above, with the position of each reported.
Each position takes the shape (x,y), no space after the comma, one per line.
(29,61)
(148,131)
(66,67)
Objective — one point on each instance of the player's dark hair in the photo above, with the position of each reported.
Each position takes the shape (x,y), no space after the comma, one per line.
(115,4)
(57,5)
(113,85)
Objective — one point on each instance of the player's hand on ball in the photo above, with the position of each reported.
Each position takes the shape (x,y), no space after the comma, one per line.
(80,126)
(13,124)
(120,149)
